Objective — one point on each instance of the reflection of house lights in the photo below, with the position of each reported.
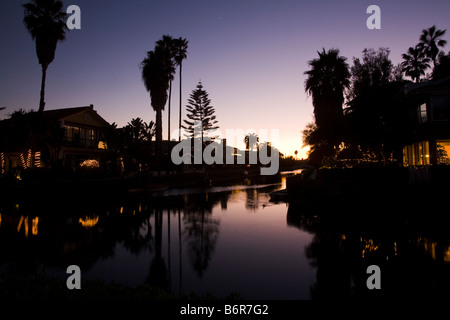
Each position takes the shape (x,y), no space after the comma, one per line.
(37,159)
(22,159)
(2,162)
(122,165)
(23,220)
(447,255)
(29,158)
(34,226)
(368,246)
(88,222)
(91,163)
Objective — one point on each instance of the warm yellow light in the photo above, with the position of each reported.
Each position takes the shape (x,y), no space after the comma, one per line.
(34,226)
(20,223)
(447,255)
(121,210)
(92,163)
(102,145)
(23,220)
(88,222)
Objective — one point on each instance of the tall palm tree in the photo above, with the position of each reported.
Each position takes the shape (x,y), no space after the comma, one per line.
(415,63)
(327,80)
(181,46)
(430,41)
(46,22)
(168,43)
(156,70)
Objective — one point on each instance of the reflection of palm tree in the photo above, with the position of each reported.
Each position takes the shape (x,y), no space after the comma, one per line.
(46,22)
(158,271)
(180,251)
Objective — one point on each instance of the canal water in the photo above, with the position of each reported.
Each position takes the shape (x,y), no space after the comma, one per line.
(223,241)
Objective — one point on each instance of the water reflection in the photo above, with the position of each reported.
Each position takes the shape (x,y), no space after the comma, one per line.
(229,239)
(412,265)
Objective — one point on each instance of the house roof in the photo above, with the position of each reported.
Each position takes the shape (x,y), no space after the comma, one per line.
(66,112)
(70,114)
(441,86)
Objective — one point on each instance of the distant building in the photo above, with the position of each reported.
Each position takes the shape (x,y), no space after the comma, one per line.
(428,141)
(69,136)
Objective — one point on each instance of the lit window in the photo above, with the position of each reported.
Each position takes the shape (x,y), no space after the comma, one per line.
(423,113)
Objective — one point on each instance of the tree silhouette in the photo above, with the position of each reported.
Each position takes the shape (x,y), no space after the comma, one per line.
(430,41)
(181,46)
(442,69)
(327,79)
(326,82)
(415,63)
(46,22)
(375,110)
(251,141)
(200,112)
(168,43)
(157,69)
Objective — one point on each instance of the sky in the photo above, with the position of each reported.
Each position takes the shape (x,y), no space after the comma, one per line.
(250,56)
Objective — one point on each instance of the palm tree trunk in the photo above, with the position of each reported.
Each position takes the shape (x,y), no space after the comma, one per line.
(41,101)
(158,138)
(168,121)
(179,121)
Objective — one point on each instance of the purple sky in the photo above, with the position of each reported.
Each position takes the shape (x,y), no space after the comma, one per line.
(249,54)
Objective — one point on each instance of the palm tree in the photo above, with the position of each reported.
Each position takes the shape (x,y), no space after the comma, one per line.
(251,141)
(181,46)
(46,22)
(415,63)
(296,153)
(327,79)
(168,43)
(156,70)
(430,41)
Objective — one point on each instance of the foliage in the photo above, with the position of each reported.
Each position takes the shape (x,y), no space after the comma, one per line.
(430,41)
(415,63)
(157,70)
(442,69)
(130,145)
(45,20)
(327,80)
(251,141)
(200,112)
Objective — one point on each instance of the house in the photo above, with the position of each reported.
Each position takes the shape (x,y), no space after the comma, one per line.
(69,136)
(429,137)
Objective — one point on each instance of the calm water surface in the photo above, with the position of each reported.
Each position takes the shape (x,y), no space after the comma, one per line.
(222,240)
